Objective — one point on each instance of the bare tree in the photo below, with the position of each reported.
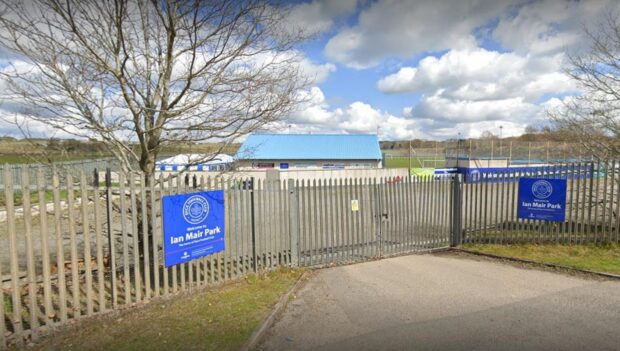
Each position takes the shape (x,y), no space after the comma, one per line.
(151,73)
(593,118)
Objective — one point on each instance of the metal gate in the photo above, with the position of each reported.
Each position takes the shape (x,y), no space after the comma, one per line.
(361,219)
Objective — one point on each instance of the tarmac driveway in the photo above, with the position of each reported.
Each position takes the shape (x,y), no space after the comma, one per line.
(448,302)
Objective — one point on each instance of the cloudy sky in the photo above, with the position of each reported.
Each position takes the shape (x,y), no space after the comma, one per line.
(432,69)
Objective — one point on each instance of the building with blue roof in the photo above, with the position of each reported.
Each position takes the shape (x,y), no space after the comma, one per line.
(309,151)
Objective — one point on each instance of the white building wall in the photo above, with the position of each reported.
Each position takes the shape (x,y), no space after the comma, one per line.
(308,164)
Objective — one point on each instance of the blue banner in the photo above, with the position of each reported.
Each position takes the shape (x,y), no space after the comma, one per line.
(193,226)
(513,173)
(542,199)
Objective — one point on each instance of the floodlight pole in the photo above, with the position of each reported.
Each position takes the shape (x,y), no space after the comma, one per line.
(500,141)
(458,148)
(409,155)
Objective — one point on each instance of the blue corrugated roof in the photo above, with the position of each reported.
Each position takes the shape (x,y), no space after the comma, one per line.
(310,147)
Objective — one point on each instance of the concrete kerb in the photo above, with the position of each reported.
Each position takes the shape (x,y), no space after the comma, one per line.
(266,324)
(540,264)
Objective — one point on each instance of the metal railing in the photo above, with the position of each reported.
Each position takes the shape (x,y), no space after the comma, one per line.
(86,246)
(489,212)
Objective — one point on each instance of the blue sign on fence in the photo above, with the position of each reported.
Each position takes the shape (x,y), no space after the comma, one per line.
(193,226)
(542,199)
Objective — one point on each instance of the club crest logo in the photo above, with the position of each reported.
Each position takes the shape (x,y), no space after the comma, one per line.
(195,209)
(542,189)
(475,175)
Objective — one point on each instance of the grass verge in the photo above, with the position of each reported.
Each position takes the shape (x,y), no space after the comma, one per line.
(222,318)
(598,258)
(18,197)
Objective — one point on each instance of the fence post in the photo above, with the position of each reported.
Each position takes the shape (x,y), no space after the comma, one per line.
(293,194)
(253,224)
(111,253)
(2,316)
(457,230)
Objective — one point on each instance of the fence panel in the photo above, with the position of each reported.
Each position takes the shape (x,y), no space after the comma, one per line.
(592,206)
(81,246)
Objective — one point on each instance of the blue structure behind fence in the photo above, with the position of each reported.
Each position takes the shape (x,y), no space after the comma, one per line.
(512,174)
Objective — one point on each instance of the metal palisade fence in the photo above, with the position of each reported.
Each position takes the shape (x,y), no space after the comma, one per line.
(84,245)
(490,201)
(74,167)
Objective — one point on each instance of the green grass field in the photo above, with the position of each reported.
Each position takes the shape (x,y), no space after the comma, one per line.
(599,258)
(18,151)
(217,319)
(18,197)
(417,162)
(37,158)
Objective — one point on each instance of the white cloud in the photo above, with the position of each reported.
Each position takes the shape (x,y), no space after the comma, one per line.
(550,26)
(474,90)
(458,111)
(479,74)
(434,117)
(316,116)
(316,73)
(16,124)
(319,15)
(402,28)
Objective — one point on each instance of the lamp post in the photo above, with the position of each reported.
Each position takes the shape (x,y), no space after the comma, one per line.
(458,148)
(500,141)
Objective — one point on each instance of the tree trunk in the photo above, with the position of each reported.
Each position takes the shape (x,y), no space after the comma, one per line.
(147,166)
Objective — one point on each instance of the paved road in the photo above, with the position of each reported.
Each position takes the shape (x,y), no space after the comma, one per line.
(448,302)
